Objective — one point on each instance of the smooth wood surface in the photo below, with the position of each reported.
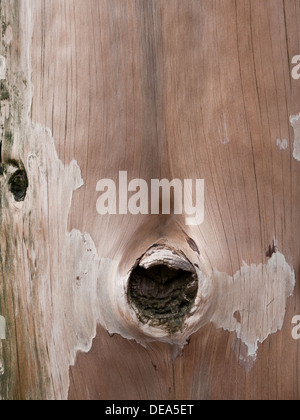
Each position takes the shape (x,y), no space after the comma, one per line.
(179,89)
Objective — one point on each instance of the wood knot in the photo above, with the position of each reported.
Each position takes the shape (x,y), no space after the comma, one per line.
(162,288)
(18,184)
(14,171)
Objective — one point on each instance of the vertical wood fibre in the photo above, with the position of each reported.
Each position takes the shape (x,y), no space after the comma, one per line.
(160,88)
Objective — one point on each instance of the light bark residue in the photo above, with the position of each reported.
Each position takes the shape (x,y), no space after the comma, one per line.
(258,293)
(295,122)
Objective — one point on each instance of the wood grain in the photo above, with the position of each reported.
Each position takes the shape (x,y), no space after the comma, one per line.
(177,89)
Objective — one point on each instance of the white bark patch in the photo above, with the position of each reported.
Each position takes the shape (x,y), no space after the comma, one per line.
(295,122)
(282,144)
(2,328)
(2,68)
(253,302)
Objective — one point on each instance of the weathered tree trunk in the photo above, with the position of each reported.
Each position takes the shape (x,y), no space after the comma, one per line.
(145,306)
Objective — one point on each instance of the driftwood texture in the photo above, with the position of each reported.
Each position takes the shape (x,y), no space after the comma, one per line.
(187,89)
